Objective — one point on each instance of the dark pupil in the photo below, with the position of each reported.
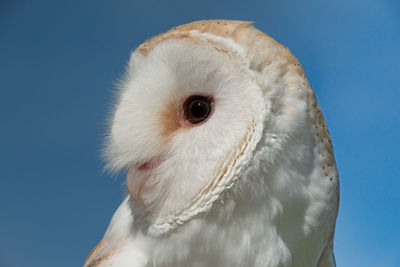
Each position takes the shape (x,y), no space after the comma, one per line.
(197,109)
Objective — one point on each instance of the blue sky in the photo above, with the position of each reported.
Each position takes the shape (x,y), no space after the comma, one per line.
(59,61)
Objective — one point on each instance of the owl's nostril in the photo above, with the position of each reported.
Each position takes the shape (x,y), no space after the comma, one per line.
(145,166)
(148,165)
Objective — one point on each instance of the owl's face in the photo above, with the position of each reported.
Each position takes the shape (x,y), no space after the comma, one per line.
(195,107)
(185,113)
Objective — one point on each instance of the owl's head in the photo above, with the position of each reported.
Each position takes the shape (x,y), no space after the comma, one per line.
(196,106)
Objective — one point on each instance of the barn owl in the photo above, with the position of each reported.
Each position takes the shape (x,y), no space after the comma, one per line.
(229,161)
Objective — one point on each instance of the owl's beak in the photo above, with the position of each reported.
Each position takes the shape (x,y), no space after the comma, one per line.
(139,179)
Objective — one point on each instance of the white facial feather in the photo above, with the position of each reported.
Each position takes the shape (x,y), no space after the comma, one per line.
(254,185)
(173,71)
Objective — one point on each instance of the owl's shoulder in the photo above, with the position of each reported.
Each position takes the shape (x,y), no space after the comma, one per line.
(119,246)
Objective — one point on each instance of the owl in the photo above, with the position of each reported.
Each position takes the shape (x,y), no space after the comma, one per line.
(229,161)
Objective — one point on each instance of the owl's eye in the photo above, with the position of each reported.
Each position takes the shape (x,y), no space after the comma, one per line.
(197,108)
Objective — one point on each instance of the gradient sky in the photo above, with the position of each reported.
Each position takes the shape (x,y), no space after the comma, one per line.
(59,61)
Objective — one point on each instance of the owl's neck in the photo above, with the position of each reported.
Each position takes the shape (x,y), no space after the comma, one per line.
(269,218)
(273,216)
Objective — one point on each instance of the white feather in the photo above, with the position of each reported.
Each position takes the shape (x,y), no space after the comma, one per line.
(246,188)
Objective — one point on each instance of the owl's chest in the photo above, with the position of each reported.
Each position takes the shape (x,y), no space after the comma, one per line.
(236,238)
(203,243)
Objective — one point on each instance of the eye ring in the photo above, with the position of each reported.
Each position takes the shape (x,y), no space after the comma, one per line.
(197,109)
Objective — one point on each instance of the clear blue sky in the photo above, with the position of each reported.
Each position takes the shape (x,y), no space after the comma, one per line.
(59,61)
